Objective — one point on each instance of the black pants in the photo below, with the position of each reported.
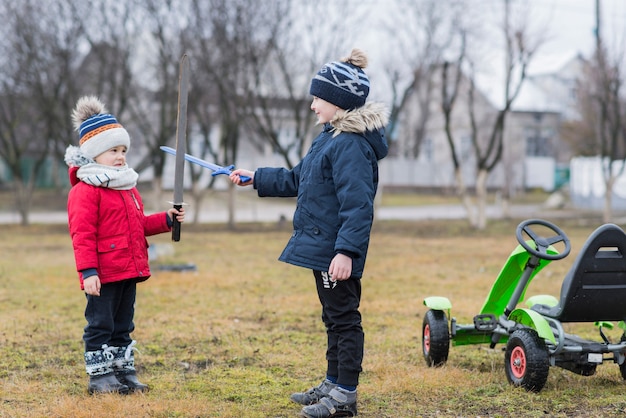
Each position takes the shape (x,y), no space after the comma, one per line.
(340,312)
(110,315)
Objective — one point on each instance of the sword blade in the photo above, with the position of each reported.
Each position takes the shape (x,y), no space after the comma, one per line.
(181,129)
(217,169)
(181,146)
(192,159)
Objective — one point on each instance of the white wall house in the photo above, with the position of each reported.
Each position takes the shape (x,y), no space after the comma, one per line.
(587,186)
(533,153)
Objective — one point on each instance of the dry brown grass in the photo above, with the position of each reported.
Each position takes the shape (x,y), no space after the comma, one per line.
(235,338)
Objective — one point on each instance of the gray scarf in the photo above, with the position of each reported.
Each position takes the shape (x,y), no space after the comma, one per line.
(118,178)
(90,172)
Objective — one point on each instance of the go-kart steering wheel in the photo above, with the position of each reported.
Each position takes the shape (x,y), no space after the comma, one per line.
(542,243)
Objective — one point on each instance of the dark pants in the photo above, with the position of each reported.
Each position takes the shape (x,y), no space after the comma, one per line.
(110,316)
(340,312)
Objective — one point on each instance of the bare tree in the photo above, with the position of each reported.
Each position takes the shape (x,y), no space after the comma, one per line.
(158,47)
(255,71)
(277,100)
(600,129)
(449,95)
(107,33)
(283,58)
(220,29)
(606,93)
(36,85)
(427,32)
(488,146)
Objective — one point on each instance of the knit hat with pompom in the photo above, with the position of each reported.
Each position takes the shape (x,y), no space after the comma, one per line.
(343,83)
(98,131)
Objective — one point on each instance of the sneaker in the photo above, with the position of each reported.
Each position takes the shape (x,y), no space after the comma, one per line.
(313,395)
(338,403)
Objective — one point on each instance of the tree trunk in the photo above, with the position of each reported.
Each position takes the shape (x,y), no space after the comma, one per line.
(481,199)
(198,198)
(23,197)
(505,205)
(607,213)
(466,200)
(231,205)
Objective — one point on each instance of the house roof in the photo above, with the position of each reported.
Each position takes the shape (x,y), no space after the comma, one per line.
(547,89)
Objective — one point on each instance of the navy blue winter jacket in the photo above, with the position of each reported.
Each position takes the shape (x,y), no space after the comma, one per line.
(335,185)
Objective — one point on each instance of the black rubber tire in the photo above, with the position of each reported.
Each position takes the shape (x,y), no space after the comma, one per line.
(526,360)
(435,338)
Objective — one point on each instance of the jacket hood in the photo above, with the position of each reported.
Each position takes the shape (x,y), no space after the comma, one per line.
(368,120)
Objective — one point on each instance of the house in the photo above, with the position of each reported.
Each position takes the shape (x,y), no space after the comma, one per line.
(533,154)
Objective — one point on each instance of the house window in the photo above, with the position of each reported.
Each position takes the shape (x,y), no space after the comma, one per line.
(538,142)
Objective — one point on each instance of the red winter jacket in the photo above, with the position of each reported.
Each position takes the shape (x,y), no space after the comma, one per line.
(108,229)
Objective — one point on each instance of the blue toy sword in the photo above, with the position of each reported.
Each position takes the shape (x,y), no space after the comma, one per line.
(217,169)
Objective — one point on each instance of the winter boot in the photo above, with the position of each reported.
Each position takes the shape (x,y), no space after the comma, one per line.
(338,403)
(313,395)
(124,368)
(101,376)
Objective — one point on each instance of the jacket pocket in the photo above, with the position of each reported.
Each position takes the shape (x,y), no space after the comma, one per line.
(316,225)
(114,243)
(113,254)
(318,239)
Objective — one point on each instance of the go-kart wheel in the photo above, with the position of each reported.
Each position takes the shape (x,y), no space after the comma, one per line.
(526,360)
(435,338)
(542,244)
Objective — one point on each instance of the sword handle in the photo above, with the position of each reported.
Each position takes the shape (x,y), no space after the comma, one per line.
(176,225)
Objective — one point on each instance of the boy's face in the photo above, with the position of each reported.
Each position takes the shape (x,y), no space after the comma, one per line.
(324,110)
(115,157)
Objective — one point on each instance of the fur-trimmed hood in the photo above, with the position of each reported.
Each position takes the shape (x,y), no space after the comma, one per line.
(369,120)
(369,117)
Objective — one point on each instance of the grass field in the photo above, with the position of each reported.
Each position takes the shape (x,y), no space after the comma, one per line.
(236,337)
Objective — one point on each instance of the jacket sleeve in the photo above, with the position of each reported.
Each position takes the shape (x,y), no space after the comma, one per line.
(277,182)
(155,223)
(82,210)
(353,175)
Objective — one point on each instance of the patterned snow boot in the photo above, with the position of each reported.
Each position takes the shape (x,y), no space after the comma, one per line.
(101,376)
(124,368)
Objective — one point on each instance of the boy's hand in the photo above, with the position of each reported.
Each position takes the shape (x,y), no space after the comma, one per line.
(340,267)
(180,214)
(235,176)
(92,285)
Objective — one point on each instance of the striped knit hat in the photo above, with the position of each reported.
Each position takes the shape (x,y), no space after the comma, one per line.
(98,131)
(343,83)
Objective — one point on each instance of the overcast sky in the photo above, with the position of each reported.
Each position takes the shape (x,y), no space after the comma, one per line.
(566,27)
(571,28)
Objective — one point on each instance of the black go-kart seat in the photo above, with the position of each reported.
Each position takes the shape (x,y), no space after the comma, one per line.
(594,289)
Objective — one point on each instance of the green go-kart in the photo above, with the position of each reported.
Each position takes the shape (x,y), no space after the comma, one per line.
(593,291)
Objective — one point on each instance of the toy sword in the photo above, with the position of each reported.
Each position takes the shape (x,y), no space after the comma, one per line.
(217,169)
(181,128)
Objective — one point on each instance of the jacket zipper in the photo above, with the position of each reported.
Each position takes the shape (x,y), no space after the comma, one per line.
(134,199)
